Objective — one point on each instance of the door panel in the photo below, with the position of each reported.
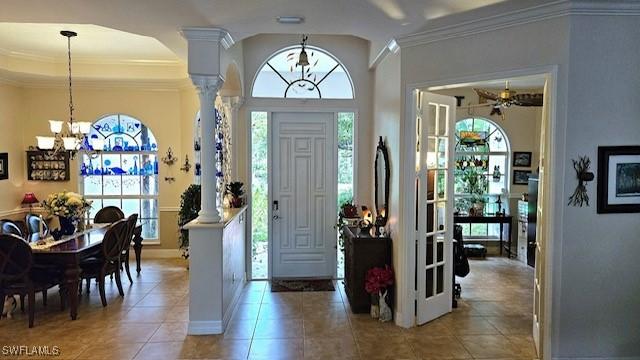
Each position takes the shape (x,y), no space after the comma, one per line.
(305,189)
(435,117)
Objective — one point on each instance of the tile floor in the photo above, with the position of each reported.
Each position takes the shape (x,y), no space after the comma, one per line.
(493,321)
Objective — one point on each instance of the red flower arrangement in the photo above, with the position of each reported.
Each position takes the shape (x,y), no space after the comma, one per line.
(378,279)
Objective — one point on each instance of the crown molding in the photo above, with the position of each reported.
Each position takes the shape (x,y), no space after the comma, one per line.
(452,27)
(88,60)
(392,47)
(50,82)
(219,35)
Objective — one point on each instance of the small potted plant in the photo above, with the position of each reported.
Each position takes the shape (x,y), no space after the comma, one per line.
(476,184)
(234,192)
(376,284)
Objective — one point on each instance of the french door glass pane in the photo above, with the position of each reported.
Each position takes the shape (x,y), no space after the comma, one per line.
(429,250)
(442,120)
(429,283)
(259,199)
(440,250)
(440,279)
(431,124)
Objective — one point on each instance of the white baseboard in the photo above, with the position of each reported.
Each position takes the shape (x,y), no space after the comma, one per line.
(205,327)
(151,253)
(234,303)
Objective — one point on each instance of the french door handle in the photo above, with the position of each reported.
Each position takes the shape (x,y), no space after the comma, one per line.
(276,217)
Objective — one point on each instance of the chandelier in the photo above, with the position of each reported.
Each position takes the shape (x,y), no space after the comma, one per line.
(74,137)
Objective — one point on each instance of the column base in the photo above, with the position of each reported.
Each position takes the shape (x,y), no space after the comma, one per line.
(208,218)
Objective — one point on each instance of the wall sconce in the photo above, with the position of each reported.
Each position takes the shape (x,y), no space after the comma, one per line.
(580,196)
(186,166)
(169,159)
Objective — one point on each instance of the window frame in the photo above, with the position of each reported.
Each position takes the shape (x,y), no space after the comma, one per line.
(140,197)
(297,80)
(506,172)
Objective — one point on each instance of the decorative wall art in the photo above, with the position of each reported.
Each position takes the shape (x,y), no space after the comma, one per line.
(521,177)
(618,179)
(47,166)
(580,196)
(522,158)
(4,166)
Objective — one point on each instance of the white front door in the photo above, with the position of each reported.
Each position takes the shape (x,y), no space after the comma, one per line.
(304,195)
(434,199)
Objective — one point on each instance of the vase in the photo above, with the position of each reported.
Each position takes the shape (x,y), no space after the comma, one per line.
(67,225)
(385,311)
(375,307)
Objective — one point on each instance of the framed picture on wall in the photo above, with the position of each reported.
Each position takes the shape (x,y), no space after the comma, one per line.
(4,166)
(618,179)
(521,177)
(522,158)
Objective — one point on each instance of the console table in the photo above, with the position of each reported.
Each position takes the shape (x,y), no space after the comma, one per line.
(502,220)
(361,253)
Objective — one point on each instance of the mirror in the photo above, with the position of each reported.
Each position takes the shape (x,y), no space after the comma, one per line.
(381,174)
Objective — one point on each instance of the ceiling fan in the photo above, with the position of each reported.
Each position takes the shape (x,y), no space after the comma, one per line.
(507,98)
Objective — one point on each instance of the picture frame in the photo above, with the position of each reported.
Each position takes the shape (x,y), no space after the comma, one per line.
(522,158)
(521,177)
(618,179)
(4,166)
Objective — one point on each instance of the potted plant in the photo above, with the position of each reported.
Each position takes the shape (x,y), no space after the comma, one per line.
(377,281)
(476,186)
(69,207)
(234,191)
(189,209)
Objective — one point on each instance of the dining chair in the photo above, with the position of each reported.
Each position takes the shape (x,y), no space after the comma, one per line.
(108,214)
(33,225)
(107,262)
(18,276)
(11,227)
(132,220)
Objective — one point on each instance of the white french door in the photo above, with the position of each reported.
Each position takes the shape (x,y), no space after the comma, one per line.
(435,118)
(304,195)
(541,228)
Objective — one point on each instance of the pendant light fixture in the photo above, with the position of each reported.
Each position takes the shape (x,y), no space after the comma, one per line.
(74,137)
(303,59)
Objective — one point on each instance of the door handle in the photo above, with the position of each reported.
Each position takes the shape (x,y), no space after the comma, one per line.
(276,217)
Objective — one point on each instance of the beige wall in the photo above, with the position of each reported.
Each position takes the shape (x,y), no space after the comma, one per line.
(169,113)
(386,123)
(11,116)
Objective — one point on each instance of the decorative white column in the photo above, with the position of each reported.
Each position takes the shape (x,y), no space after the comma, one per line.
(208,86)
(205,47)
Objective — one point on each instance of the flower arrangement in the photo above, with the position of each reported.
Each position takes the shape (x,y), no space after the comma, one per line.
(66,204)
(378,279)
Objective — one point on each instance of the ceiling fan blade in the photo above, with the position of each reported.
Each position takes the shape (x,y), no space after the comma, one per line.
(528,99)
(486,94)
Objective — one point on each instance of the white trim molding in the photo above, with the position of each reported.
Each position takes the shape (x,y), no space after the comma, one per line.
(514,13)
(392,47)
(208,34)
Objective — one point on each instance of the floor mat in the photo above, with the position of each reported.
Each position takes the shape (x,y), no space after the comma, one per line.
(302,285)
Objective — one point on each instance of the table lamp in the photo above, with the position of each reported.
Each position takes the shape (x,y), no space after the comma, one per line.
(29,199)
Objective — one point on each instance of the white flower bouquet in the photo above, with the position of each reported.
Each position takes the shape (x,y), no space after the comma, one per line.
(66,204)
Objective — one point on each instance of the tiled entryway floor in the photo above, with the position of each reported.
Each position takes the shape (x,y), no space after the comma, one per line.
(150,322)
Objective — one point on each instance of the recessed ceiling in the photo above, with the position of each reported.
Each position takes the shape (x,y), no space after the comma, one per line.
(374,20)
(93,43)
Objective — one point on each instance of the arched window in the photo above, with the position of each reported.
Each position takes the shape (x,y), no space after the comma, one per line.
(324,78)
(125,172)
(482,153)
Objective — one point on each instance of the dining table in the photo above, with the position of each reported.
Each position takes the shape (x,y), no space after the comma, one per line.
(68,252)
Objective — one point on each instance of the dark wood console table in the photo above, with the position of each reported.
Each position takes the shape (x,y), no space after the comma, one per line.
(507,219)
(361,253)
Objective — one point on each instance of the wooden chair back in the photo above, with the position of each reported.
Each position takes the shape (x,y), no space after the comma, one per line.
(33,224)
(108,214)
(112,241)
(10,227)
(131,226)
(15,258)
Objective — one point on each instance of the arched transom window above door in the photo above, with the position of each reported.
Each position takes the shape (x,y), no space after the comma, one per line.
(324,78)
